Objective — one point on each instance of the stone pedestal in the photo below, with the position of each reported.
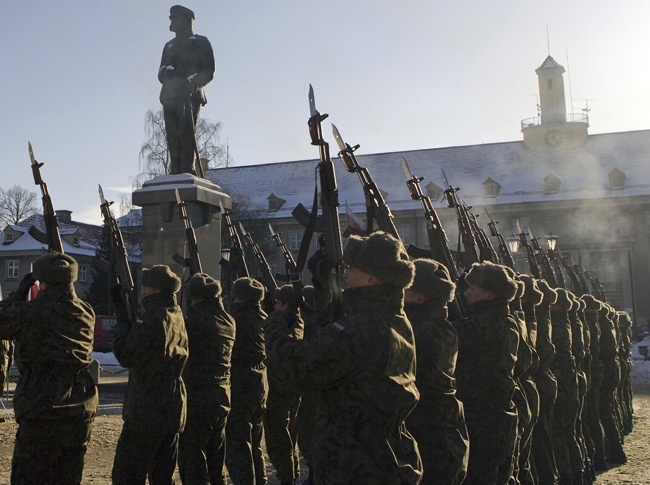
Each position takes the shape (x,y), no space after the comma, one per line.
(163,229)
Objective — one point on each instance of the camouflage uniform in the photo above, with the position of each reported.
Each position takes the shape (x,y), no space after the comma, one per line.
(437,422)
(249,388)
(283,402)
(487,351)
(542,443)
(56,400)
(155,351)
(592,402)
(211,335)
(5,353)
(565,444)
(364,366)
(625,387)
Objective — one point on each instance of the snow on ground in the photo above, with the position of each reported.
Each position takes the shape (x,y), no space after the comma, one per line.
(107,360)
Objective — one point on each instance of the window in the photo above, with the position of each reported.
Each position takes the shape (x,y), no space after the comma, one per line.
(551,184)
(75,241)
(83,273)
(9,237)
(405,234)
(491,187)
(13,267)
(295,238)
(622,226)
(616,179)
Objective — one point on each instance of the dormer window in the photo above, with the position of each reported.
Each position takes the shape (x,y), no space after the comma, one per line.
(9,237)
(551,184)
(491,187)
(616,179)
(75,241)
(275,202)
(433,191)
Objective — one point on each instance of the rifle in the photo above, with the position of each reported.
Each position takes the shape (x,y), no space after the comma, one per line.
(583,284)
(558,269)
(376,207)
(464,225)
(437,236)
(596,287)
(292,273)
(504,251)
(485,248)
(571,273)
(547,269)
(262,263)
(120,258)
(330,267)
(52,237)
(530,253)
(236,249)
(193,262)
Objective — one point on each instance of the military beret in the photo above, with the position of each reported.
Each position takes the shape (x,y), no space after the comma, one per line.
(180,11)
(550,295)
(55,268)
(202,286)
(432,280)
(161,277)
(494,278)
(247,289)
(380,255)
(591,302)
(532,292)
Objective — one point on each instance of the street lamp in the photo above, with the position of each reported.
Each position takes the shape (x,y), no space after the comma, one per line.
(551,240)
(513,244)
(225,254)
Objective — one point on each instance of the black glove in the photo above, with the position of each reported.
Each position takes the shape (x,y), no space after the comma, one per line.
(23,287)
(117,295)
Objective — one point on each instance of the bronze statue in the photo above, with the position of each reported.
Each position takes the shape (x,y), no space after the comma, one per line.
(187,65)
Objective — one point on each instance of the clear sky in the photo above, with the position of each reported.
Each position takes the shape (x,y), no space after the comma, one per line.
(78,77)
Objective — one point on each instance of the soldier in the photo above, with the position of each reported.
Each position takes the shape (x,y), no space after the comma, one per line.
(155,350)
(565,444)
(364,366)
(487,351)
(542,444)
(248,386)
(211,336)
(437,423)
(5,359)
(187,65)
(56,398)
(625,387)
(281,421)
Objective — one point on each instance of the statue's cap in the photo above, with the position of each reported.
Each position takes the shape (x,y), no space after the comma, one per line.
(180,11)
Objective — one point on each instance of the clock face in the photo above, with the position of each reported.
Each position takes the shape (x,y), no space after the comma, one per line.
(553,138)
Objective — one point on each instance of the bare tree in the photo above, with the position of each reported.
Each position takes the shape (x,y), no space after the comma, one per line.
(16,204)
(154,155)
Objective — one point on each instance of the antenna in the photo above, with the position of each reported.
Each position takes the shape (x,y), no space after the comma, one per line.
(548,42)
(568,73)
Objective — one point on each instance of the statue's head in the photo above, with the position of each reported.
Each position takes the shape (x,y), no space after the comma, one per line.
(181,18)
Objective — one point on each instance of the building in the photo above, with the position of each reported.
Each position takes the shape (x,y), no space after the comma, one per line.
(591,191)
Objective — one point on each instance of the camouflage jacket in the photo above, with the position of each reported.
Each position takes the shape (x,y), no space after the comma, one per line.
(364,366)
(211,336)
(544,343)
(591,321)
(55,338)
(155,351)
(488,342)
(250,348)
(436,350)
(292,321)
(563,365)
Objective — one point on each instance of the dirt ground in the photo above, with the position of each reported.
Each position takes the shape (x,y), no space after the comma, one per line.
(99,458)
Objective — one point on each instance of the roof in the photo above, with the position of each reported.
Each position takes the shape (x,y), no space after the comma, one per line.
(583,173)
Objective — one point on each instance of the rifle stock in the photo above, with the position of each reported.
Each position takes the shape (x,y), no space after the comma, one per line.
(236,249)
(262,264)
(193,262)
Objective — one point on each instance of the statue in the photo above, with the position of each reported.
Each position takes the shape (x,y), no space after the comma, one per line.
(187,65)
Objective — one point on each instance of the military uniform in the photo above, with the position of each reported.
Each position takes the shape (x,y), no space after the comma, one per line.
(438,422)
(249,389)
(364,366)
(283,403)
(211,335)
(155,350)
(56,398)
(187,65)
(625,357)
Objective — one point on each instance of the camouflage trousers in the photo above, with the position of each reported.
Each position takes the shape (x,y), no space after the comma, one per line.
(281,431)
(50,451)
(543,457)
(444,453)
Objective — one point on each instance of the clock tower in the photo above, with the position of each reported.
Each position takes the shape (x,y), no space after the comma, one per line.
(553,128)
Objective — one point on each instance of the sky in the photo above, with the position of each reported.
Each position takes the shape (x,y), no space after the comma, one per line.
(79,76)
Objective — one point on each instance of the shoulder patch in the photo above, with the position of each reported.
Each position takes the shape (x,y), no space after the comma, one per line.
(337,327)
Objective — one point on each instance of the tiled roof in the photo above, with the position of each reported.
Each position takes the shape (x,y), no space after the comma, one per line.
(583,174)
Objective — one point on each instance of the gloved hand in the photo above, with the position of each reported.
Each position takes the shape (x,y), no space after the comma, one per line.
(23,287)
(117,295)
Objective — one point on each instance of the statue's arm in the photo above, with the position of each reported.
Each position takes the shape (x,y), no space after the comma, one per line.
(206,68)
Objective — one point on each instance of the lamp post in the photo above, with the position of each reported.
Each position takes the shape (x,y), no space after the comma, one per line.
(551,240)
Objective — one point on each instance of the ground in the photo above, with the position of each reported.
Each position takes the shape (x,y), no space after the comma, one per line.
(99,458)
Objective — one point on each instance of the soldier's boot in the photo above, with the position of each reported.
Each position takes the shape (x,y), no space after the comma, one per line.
(616,455)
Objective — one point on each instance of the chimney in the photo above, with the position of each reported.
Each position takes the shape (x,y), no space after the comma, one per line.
(64,216)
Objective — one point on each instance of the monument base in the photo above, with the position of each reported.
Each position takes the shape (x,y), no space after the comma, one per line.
(164,231)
